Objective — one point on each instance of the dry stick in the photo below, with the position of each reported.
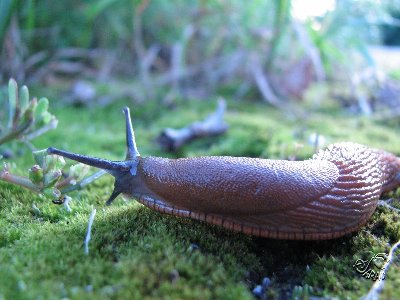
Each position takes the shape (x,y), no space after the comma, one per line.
(89,230)
(214,64)
(35,59)
(263,84)
(377,287)
(178,55)
(144,58)
(311,50)
(362,100)
(171,139)
(76,53)
(137,28)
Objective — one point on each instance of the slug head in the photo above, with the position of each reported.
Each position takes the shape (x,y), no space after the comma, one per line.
(123,171)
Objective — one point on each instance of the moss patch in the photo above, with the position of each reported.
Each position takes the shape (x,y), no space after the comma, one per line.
(136,253)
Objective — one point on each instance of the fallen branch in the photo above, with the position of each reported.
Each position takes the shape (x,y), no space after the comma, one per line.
(171,139)
(264,85)
(311,50)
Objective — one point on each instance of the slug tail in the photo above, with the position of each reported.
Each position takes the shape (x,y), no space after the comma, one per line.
(100,163)
(132,151)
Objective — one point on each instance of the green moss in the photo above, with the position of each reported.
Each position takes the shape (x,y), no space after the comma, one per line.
(136,253)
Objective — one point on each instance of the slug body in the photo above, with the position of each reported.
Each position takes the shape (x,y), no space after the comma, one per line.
(328,196)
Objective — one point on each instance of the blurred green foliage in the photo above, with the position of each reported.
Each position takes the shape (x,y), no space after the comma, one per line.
(204,29)
(23,118)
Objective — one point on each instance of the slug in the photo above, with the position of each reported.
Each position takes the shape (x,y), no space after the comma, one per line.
(325,197)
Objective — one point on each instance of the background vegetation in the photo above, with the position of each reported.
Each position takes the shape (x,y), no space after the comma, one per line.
(292,86)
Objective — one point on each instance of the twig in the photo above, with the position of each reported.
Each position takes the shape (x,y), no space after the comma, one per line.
(377,287)
(311,50)
(89,230)
(5,175)
(263,84)
(66,202)
(363,104)
(137,28)
(214,64)
(178,55)
(171,139)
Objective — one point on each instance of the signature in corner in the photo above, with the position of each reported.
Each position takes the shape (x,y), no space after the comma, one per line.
(373,268)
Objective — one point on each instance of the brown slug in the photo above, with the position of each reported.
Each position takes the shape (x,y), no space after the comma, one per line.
(325,197)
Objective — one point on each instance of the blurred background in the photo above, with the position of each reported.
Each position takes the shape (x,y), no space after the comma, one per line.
(151,50)
(295,75)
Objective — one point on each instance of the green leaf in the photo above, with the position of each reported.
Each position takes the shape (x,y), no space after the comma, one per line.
(97,8)
(42,107)
(36,174)
(51,178)
(54,162)
(51,193)
(28,114)
(7,8)
(12,101)
(39,157)
(78,171)
(24,98)
(30,19)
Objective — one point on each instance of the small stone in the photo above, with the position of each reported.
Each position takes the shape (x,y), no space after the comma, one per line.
(89,288)
(7,154)
(35,210)
(83,92)
(316,140)
(21,285)
(258,291)
(193,247)
(174,276)
(266,282)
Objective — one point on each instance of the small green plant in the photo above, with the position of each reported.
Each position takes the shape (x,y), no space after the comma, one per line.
(302,292)
(50,178)
(26,118)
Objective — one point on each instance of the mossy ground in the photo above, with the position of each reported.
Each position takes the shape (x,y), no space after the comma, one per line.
(136,253)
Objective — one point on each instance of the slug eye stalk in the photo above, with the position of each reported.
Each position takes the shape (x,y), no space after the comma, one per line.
(115,168)
(131,148)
